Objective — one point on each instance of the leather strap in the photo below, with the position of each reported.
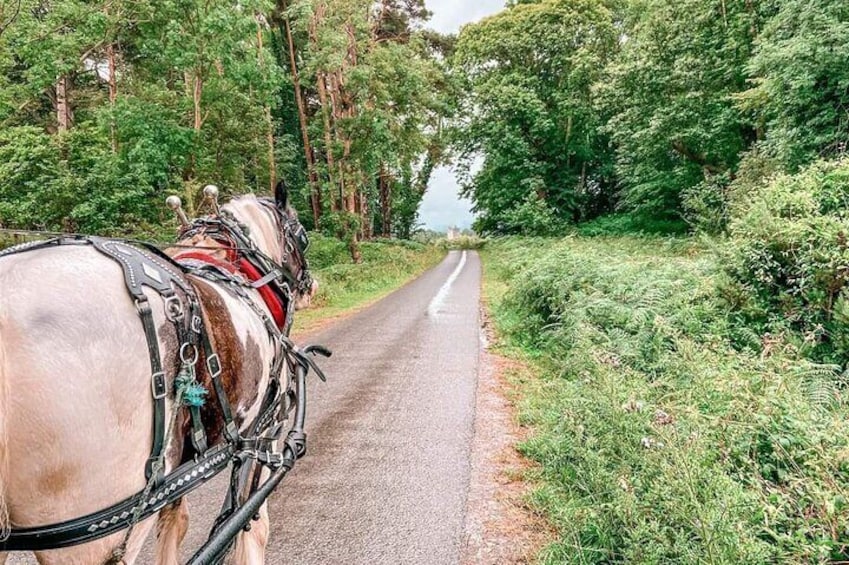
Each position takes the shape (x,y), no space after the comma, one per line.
(116,518)
(158,386)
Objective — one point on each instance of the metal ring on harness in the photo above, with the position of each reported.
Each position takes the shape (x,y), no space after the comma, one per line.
(185,358)
(174,308)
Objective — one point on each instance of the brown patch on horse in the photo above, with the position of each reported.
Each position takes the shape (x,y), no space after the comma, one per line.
(240,370)
(56,480)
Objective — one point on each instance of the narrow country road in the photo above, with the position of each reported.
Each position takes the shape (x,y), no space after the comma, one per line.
(386,476)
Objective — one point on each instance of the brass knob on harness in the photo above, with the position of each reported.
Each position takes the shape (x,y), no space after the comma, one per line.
(210,192)
(176,205)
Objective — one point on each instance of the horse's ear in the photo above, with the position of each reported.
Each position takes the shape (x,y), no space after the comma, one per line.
(281,195)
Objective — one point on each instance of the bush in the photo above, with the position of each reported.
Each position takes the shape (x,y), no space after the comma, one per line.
(706,205)
(788,259)
(657,440)
(632,224)
(465,241)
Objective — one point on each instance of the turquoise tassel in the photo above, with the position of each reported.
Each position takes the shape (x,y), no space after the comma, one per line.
(191,392)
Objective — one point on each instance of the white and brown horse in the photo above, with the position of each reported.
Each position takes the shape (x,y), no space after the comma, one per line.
(75,387)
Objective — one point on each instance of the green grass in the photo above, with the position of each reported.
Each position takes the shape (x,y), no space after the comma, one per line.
(665,433)
(344,286)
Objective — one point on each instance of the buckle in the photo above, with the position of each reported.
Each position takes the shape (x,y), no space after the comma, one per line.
(158,386)
(197,324)
(213,365)
(173,308)
(142,305)
(232,432)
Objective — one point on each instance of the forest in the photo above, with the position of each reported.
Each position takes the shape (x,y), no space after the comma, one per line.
(107,107)
(669,112)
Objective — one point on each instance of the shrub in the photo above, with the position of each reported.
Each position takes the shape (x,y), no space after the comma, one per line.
(632,224)
(657,441)
(706,205)
(788,258)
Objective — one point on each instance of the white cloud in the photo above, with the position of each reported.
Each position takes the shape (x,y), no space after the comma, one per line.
(450,15)
(442,206)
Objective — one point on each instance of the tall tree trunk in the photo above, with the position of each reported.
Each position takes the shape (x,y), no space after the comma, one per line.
(385,202)
(64,110)
(365,214)
(269,122)
(321,85)
(194,84)
(336,198)
(315,188)
(197,97)
(269,140)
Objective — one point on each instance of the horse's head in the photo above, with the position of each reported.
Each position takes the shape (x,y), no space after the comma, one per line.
(274,228)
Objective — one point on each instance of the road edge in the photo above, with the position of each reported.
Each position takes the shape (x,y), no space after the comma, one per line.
(499,527)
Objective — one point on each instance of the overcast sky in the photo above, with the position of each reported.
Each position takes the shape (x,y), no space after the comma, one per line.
(442,207)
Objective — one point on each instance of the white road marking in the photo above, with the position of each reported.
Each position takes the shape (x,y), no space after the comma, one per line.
(437,301)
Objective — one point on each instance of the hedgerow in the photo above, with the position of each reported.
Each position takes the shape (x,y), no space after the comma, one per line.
(787,257)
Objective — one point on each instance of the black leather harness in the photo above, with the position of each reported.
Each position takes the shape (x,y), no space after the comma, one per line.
(146,266)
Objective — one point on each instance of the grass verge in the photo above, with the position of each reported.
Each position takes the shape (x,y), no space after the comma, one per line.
(660,438)
(345,286)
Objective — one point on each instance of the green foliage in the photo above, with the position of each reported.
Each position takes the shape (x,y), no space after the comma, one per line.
(658,122)
(631,224)
(787,258)
(123,103)
(89,190)
(465,241)
(530,70)
(669,96)
(800,75)
(107,107)
(658,441)
(706,205)
(386,264)
(384,93)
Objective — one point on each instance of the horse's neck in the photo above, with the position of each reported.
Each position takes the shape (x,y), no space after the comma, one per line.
(263,227)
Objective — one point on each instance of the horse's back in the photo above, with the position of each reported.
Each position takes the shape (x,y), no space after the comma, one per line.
(76,373)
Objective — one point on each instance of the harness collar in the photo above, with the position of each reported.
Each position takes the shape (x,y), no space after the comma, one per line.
(275,283)
(276,302)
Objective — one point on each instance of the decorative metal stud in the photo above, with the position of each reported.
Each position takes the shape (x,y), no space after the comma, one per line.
(210,192)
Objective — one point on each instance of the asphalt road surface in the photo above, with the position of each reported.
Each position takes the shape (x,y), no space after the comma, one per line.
(386,477)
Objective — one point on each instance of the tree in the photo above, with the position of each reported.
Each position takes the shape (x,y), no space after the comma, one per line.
(374,97)
(531,69)
(799,77)
(670,94)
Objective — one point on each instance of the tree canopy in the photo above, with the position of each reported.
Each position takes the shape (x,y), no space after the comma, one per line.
(107,106)
(580,108)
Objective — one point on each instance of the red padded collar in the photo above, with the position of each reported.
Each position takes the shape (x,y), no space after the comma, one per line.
(251,273)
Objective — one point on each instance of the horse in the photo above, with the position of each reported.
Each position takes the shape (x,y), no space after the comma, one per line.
(76,410)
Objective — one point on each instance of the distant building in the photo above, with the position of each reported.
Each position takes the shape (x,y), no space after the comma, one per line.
(453,233)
